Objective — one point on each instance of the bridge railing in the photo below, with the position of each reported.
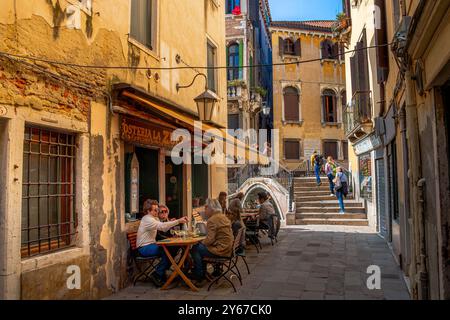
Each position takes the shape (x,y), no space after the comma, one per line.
(238,176)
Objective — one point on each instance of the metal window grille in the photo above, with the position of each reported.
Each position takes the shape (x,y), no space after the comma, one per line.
(49,220)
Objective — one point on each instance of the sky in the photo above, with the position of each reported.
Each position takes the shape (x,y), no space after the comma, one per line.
(305,9)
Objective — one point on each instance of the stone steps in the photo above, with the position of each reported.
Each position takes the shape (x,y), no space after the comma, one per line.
(315,205)
(333,222)
(335,209)
(328,216)
(318,198)
(328,204)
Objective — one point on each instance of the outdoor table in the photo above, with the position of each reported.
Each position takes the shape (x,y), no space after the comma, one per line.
(249,214)
(186,244)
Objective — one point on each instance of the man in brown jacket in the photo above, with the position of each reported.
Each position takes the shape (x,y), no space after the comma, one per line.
(218,242)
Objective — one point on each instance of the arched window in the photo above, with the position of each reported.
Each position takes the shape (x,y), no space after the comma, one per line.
(233,61)
(329,106)
(329,50)
(289,47)
(291,104)
(233,5)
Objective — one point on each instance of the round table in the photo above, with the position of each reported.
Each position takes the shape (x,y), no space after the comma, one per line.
(186,244)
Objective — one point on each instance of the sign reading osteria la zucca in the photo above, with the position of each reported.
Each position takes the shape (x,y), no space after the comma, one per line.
(147,134)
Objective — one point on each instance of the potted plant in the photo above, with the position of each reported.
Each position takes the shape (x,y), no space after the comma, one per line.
(261,91)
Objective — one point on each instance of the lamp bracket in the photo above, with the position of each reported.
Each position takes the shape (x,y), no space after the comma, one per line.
(193,80)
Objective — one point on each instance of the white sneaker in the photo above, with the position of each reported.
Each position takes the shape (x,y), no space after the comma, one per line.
(331,195)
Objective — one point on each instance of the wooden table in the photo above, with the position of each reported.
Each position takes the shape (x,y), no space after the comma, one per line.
(186,244)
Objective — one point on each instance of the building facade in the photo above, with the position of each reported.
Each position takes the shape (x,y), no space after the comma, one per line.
(84,145)
(309,97)
(248,44)
(408,113)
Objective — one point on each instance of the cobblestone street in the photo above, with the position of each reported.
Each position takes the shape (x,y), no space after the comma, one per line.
(313,262)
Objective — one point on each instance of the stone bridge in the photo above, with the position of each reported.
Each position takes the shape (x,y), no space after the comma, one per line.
(278,193)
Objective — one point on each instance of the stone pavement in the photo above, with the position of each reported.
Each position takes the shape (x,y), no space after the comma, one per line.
(307,263)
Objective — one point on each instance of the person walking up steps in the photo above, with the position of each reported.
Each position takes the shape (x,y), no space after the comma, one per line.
(341,188)
(317,161)
(330,171)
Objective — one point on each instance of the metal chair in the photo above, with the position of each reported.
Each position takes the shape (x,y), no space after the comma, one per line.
(139,260)
(229,264)
(252,233)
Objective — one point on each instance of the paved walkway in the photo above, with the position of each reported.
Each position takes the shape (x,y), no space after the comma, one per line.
(311,262)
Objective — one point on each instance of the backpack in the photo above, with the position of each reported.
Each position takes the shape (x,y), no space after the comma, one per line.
(318,160)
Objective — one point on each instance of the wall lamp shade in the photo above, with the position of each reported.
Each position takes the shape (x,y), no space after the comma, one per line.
(266,110)
(206,104)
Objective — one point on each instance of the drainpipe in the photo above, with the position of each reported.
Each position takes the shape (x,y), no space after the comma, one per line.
(423,270)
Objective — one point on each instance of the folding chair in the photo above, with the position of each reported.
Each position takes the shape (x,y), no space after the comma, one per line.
(139,260)
(229,264)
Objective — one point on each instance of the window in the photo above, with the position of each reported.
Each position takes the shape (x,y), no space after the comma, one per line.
(291,150)
(345,149)
(200,178)
(291,104)
(49,219)
(233,61)
(330,148)
(211,57)
(289,47)
(329,106)
(365,176)
(142,22)
(329,50)
(233,121)
(233,6)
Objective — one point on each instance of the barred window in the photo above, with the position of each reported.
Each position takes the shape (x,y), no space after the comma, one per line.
(49,220)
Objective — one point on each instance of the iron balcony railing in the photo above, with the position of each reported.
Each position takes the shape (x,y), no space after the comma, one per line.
(358,111)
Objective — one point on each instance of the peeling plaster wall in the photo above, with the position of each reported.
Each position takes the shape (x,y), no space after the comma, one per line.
(74,99)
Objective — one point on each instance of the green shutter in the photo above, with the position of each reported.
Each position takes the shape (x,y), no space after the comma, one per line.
(241,59)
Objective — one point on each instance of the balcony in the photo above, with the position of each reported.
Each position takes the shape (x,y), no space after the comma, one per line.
(236,89)
(358,116)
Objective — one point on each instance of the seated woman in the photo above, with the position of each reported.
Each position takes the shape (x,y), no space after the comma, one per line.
(146,239)
(266,213)
(218,243)
(163,216)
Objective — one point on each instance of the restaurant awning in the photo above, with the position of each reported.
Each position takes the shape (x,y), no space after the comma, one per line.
(186,119)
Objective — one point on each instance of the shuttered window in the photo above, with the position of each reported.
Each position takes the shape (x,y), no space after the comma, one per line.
(291,104)
(290,47)
(329,105)
(329,50)
(345,149)
(211,57)
(141,22)
(233,121)
(292,149)
(330,149)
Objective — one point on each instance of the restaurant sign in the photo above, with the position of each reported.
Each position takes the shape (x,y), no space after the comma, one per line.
(366,145)
(145,133)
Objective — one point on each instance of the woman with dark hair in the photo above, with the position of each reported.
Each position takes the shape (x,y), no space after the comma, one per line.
(266,213)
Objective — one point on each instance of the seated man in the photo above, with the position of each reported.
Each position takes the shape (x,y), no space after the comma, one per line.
(146,238)
(218,243)
(266,213)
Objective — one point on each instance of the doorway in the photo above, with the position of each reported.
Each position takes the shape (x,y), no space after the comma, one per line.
(174,188)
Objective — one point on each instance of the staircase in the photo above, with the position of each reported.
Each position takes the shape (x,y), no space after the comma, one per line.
(315,205)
